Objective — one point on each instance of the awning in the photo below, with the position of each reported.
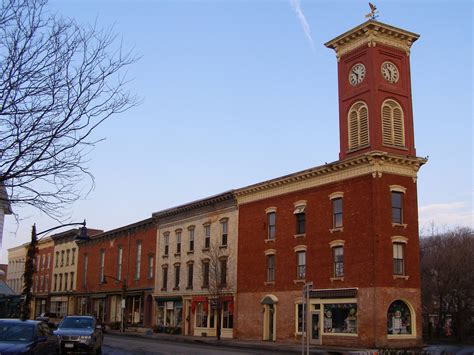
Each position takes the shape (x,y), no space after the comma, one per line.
(198,299)
(334,293)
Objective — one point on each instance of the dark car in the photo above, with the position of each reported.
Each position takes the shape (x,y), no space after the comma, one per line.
(50,318)
(80,334)
(27,337)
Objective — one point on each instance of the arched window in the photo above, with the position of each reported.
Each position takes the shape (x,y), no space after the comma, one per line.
(393,129)
(399,319)
(358,123)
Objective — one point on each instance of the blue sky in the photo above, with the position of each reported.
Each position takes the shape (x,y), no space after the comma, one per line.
(236,92)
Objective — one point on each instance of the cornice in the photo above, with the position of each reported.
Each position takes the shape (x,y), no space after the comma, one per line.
(370,33)
(375,163)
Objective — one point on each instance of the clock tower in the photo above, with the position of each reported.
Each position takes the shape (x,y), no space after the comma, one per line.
(375,104)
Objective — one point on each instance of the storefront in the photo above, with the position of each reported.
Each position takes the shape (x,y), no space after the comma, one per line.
(205,313)
(169,314)
(40,306)
(59,305)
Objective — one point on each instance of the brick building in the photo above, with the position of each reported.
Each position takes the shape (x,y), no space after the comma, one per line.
(349,227)
(42,276)
(196,267)
(118,264)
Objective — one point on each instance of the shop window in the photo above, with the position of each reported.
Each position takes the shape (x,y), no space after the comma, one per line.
(201,315)
(340,318)
(299,318)
(227,316)
(399,319)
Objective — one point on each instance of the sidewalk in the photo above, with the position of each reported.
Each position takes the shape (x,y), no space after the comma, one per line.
(286,348)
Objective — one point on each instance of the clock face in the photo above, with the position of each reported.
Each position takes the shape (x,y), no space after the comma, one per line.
(357,74)
(390,72)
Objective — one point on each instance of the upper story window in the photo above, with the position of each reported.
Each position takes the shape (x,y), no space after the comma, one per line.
(224,230)
(62,258)
(177,269)
(68,252)
(178,241)
(271,222)
(393,130)
(138,260)
(151,260)
(398,259)
(49,261)
(119,262)
(358,125)
(73,260)
(57,259)
(102,266)
(191,238)
(223,272)
(396,194)
(164,278)
(271,268)
(337,247)
(207,236)
(336,201)
(301,265)
(166,242)
(205,273)
(300,217)
(190,275)
(84,276)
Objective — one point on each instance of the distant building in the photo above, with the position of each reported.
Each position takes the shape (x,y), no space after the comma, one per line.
(5,208)
(16,268)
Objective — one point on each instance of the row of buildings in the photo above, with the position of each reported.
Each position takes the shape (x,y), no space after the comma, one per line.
(236,263)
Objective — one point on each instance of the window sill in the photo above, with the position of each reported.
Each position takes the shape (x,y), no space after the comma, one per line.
(163,289)
(204,287)
(269,240)
(341,334)
(206,249)
(401,336)
(302,235)
(189,288)
(301,281)
(165,256)
(177,254)
(190,252)
(338,229)
(175,288)
(336,279)
(404,277)
(266,283)
(222,246)
(404,225)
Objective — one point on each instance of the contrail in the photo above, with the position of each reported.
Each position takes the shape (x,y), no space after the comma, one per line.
(295,4)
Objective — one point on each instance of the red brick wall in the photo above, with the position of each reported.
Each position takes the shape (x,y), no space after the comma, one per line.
(128,240)
(43,271)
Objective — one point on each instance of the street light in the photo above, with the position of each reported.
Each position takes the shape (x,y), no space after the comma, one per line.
(30,267)
(124,294)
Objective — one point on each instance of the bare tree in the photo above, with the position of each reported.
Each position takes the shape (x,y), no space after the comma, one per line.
(58,82)
(220,280)
(447,264)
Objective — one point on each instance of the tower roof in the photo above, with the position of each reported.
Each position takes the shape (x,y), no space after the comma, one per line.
(372,32)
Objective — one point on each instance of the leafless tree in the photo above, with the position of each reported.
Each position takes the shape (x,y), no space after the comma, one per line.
(220,281)
(58,82)
(447,264)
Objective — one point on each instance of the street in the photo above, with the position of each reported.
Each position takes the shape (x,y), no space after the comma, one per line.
(122,345)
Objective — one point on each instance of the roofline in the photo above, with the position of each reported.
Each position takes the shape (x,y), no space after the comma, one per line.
(119,230)
(224,196)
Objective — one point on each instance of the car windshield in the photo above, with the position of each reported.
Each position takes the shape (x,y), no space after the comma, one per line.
(77,323)
(16,332)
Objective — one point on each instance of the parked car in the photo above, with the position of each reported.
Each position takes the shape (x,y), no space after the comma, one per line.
(50,318)
(80,333)
(27,337)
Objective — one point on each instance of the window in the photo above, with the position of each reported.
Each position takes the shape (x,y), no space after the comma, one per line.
(338,261)
(224,227)
(207,236)
(399,319)
(164,286)
(340,318)
(57,259)
(72,281)
(102,265)
(392,124)
(60,282)
(227,316)
(397,207)
(398,259)
(191,239)
(301,265)
(119,262)
(176,276)
(73,260)
(43,261)
(271,221)
(299,212)
(151,260)
(358,125)
(270,268)
(166,239)
(66,275)
(42,283)
(223,272)
(190,275)
(68,252)
(138,261)
(178,242)
(337,212)
(299,318)
(205,274)
(86,262)
(201,315)
(46,283)
(49,261)
(62,258)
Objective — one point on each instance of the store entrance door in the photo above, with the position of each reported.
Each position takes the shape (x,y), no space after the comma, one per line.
(315,328)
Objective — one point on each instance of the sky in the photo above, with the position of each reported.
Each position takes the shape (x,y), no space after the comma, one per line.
(238,92)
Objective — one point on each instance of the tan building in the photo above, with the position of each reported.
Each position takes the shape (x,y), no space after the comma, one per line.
(16,268)
(196,267)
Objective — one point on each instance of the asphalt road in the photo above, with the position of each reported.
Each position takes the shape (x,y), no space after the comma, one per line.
(123,345)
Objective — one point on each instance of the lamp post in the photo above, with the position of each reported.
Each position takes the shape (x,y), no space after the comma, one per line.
(26,294)
(122,304)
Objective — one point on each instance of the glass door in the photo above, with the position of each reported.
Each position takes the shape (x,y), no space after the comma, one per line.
(315,328)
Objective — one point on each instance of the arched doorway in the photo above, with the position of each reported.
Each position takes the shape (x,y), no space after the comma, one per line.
(269,303)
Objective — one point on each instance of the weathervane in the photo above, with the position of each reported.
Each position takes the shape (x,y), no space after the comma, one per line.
(373,14)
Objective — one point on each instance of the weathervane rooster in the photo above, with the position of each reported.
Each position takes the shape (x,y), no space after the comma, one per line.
(373,14)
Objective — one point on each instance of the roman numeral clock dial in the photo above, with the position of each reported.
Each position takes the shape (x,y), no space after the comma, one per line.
(357,74)
(390,72)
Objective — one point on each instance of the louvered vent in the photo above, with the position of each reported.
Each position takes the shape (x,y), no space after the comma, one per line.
(358,125)
(392,124)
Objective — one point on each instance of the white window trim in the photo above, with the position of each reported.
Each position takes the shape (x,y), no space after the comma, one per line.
(337,194)
(337,243)
(300,248)
(270,252)
(397,188)
(300,206)
(399,239)
(270,210)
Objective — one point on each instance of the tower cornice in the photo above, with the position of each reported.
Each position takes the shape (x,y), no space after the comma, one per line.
(370,33)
